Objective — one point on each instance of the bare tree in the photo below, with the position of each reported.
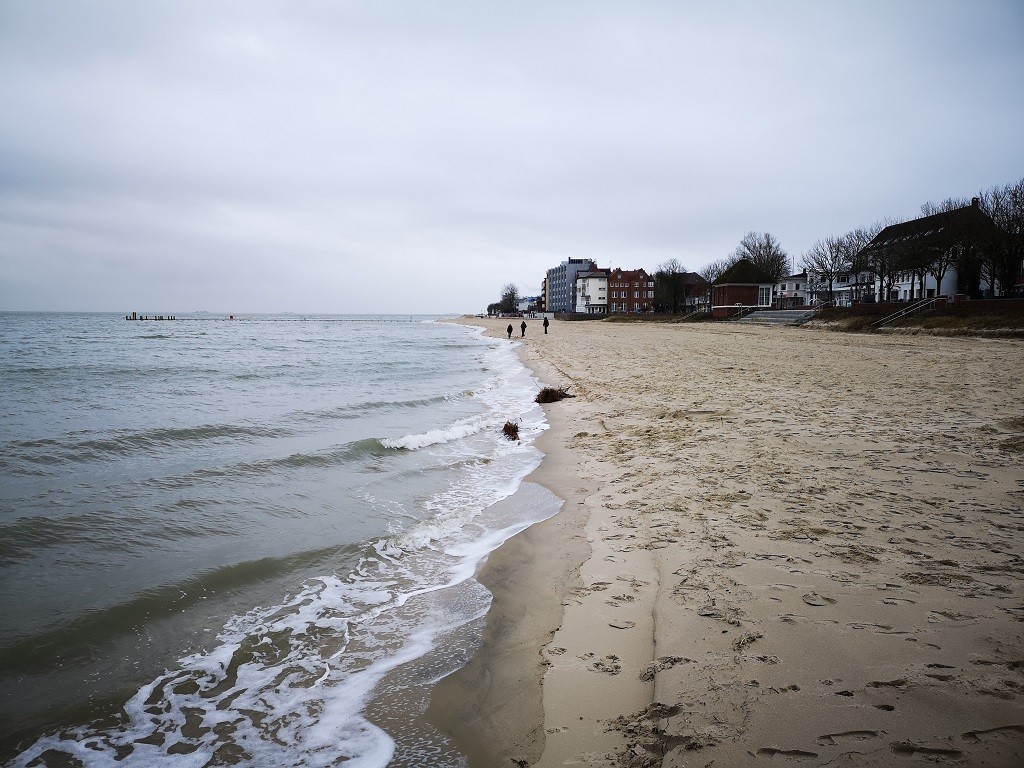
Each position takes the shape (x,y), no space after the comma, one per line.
(1006,207)
(949,204)
(827,259)
(855,242)
(766,254)
(881,261)
(713,271)
(509,298)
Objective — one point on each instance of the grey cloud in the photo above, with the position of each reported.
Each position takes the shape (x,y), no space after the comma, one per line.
(268,155)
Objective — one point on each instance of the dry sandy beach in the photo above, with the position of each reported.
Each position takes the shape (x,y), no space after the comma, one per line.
(779,545)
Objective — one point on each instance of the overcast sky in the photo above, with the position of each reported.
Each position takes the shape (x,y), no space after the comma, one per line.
(377,156)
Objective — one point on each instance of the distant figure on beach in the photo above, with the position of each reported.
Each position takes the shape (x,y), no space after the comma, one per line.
(546,324)
(523,326)
(509,329)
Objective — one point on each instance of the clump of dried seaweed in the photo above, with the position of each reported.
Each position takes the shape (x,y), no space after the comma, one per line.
(553,394)
(511,430)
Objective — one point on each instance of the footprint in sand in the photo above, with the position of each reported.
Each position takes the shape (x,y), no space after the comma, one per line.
(799,754)
(934,617)
(909,749)
(813,598)
(618,600)
(665,662)
(1005,730)
(898,683)
(609,664)
(832,739)
(880,629)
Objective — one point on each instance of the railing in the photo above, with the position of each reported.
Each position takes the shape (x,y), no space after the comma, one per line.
(744,311)
(913,309)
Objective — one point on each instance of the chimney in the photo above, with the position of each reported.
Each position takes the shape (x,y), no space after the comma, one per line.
(976,202)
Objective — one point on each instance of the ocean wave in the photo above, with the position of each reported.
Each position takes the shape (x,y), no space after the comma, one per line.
(288,684)
(456,431)
(358,410)
(63,643)
(325,459)
(128,442)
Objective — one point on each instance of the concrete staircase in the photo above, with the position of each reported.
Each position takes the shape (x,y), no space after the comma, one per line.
(777,316)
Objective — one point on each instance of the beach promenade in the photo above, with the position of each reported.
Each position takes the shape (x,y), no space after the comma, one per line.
(779,546)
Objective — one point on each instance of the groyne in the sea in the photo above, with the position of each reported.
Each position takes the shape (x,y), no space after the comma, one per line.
(137,316)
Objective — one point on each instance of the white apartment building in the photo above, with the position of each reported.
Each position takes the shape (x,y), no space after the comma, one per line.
(591,295)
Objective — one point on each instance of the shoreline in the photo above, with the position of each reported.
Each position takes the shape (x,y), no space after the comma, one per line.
(493,707)
(792,544)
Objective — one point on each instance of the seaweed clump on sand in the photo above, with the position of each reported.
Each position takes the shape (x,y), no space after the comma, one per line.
(511,430)
(553,394)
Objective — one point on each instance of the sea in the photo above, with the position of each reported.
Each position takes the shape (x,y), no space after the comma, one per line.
(249,540)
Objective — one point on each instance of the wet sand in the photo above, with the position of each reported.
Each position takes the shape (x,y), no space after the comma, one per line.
(782,544)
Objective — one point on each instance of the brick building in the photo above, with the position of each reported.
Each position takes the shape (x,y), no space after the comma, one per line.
(741,285)
(630,291)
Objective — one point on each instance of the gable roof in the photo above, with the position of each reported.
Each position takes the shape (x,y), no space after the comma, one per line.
(629,274)
(937,230)
(694,279)
(746,272)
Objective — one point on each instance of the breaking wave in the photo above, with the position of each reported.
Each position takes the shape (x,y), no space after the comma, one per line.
(460,429)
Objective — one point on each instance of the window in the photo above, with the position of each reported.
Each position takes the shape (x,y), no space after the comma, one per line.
(764,296)
(783,286)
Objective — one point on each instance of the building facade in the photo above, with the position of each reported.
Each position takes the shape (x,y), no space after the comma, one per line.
(561,284)
(936,255)
(592,292)
(742,285)
(630,291)
(792,292)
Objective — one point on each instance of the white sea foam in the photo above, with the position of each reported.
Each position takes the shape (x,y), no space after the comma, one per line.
(456,431)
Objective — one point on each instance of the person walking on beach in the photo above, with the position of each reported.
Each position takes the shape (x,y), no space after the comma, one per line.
(523,326)
(509,329)
(546,325)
